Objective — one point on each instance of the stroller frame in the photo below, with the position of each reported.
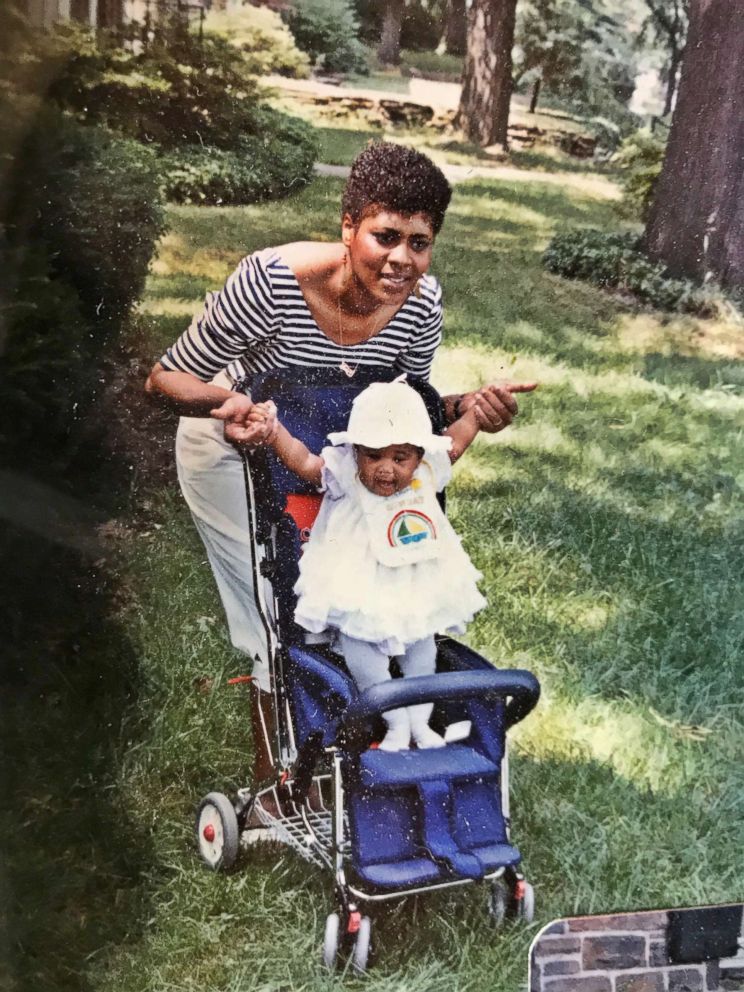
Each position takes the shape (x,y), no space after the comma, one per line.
(317,828)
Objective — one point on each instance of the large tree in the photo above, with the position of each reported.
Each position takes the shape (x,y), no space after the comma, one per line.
(487,82)
(696,222)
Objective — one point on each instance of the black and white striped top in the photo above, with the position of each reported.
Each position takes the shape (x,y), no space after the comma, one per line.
(259,321)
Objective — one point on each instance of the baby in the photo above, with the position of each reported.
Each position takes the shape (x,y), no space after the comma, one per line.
(383,570)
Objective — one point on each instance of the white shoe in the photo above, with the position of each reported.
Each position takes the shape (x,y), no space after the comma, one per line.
(398,736)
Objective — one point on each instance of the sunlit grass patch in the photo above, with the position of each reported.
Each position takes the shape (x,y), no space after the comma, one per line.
(170,306)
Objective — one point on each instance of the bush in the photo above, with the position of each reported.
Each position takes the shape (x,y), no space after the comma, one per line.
(259,169)
(430,65)
(616,261)
(639,159)
(328,30)
(198,104)
(176,93)
(263,40)
(101,213)
(83,213)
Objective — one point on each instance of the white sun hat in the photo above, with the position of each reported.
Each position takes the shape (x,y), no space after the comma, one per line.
(390,413)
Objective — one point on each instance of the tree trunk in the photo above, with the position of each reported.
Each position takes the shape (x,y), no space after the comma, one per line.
(671,89)
(389,51)
(455,37)
(535,94)
(483,113)
(696,222)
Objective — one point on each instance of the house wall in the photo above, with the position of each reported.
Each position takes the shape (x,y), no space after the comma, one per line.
(732,969)
(623,953)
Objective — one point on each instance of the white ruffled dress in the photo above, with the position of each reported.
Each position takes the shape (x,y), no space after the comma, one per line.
(388,570)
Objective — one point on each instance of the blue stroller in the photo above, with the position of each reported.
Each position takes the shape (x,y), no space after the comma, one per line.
(386,824)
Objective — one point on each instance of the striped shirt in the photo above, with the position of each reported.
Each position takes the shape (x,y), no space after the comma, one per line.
(260,320)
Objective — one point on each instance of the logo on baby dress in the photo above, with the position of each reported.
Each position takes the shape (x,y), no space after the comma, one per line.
(410,527)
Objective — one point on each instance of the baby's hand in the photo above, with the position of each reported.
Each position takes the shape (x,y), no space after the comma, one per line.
(261,423)
(262,412)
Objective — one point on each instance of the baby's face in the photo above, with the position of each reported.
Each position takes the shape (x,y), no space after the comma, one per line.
(386,471)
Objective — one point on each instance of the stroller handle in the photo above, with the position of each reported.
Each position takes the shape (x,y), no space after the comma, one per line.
(521,686)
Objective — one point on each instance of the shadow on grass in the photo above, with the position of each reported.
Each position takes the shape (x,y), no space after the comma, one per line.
(546,200)
(73,864)
(340,145)
(561,162)
(594,842)
(691,370)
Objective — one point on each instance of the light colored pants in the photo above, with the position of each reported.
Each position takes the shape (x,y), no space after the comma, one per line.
(210,472)
(368,665)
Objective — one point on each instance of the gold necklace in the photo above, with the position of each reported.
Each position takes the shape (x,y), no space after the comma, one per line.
(343,364)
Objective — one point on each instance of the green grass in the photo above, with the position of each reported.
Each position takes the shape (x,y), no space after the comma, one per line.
(609,526)
(341,145)
(343,134)
(390,82)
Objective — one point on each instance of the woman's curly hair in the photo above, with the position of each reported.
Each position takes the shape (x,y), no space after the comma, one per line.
(394,177)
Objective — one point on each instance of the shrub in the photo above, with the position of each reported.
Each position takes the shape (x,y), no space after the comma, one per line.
(83,212)
(199,105)
(640,159)
(431,65)
(616,261)
(259,168)
(172,94)
(328,30)
(263,40)
(101,212)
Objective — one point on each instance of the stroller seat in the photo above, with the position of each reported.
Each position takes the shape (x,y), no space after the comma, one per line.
(415,817)
(398,768)
(446,800)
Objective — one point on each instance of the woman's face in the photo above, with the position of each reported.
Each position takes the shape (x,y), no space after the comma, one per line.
(389,252)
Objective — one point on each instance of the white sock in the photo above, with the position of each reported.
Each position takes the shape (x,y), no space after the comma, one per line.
(421,732)
(398,736)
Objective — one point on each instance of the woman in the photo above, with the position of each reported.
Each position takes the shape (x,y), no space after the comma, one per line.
(363,302)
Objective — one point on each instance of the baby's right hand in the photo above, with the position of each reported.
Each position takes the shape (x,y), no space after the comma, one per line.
(262,412)
(261,423)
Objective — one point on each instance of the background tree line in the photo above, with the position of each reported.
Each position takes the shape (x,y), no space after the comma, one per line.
(584,55)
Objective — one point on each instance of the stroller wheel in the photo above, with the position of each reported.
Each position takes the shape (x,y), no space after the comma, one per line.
(497,903)
(526,905)
(217,832)
(330,941)
(360,954)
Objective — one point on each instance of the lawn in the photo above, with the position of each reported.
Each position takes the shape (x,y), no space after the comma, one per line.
(343,132)
(608,525)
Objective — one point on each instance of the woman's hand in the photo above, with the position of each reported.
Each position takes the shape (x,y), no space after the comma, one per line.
(496,404)
(235,414)
(247,424)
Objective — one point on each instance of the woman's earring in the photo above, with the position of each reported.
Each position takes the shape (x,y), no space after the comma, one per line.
(347,274)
